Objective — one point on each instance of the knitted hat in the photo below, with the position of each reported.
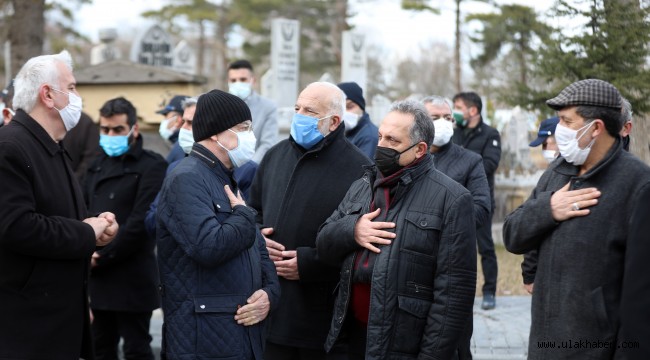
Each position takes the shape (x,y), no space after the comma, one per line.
(353,92)
(591,92)
(217,111)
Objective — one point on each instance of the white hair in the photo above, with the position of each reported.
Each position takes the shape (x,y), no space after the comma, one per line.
(190,101)
(337,104)
(37,71)
(436,100)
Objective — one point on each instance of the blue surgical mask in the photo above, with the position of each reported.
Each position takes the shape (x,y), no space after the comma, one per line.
(304,130)
(115,145)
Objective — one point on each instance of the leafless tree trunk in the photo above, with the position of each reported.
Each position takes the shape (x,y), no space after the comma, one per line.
(26,32)
(457,67)
(221,49)
(640,138)
(201,51)
(339,26)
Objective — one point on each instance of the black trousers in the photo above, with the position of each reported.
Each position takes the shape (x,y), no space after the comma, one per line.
(488,257)
(282,352)
(133,327)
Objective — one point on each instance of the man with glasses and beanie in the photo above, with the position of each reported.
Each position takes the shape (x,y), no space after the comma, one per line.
(218,284)
(578,218)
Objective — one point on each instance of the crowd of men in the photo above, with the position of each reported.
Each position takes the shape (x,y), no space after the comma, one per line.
(342,241)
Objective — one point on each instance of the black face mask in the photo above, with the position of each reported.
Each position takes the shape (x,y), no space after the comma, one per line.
(387,159)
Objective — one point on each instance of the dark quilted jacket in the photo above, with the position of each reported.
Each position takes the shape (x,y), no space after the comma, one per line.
(422,286)
(211,258)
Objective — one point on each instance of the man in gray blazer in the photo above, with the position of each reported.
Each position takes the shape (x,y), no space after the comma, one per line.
(265,119)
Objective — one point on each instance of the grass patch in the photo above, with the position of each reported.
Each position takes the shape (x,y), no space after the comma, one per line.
(509,280)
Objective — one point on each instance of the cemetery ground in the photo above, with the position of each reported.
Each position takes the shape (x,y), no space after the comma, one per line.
(509,280)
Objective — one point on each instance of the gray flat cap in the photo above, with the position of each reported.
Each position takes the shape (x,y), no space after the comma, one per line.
(590,92)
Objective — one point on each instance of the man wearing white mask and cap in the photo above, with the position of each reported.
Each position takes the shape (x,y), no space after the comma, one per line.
(466,168)
(578,217)
(215,271)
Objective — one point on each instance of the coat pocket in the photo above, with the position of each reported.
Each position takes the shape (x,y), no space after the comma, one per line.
(410,318)
(421,232)
(217,333)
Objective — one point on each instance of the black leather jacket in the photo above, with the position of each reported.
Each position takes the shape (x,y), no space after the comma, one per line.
(422,286)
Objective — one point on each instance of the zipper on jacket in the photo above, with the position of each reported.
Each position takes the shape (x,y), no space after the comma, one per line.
(349,288)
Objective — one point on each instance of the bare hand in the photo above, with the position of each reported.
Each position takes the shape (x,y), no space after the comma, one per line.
(234,200)
(367,232)
(529,287)
(288,269)
(111,230)
(274,248)
(93,260)
(256,309)
(566,204)
(99,225)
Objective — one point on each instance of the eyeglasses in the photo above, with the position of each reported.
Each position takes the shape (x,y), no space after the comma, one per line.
(246,126)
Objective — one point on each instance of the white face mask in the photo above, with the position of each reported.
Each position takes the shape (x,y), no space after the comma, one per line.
(569,145)
(185,140)
(72,112)
(351,120)
(164,131)
(549,155)
(245,148)
(444,132)
(240,89)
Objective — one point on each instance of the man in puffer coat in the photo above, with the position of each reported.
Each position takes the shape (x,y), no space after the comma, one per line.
(405,234)
(218,283)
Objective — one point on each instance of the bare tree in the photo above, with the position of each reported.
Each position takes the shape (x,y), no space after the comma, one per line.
(26,31)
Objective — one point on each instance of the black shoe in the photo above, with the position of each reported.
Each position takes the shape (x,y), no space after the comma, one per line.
(489,302)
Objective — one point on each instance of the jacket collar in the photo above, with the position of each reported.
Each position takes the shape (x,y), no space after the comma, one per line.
(444,148)
(568,169)
(37,131)
(208,158)
(252,98)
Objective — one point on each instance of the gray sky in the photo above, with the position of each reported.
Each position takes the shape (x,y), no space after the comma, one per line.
(399,32)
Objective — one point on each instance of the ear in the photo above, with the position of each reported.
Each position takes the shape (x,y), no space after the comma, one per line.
(599,128)
(136,131)
(336,121)
(45,95)
(627,129)
(421,149)
(6,116)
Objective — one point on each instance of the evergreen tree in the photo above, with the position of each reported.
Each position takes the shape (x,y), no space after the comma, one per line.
(600,39)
